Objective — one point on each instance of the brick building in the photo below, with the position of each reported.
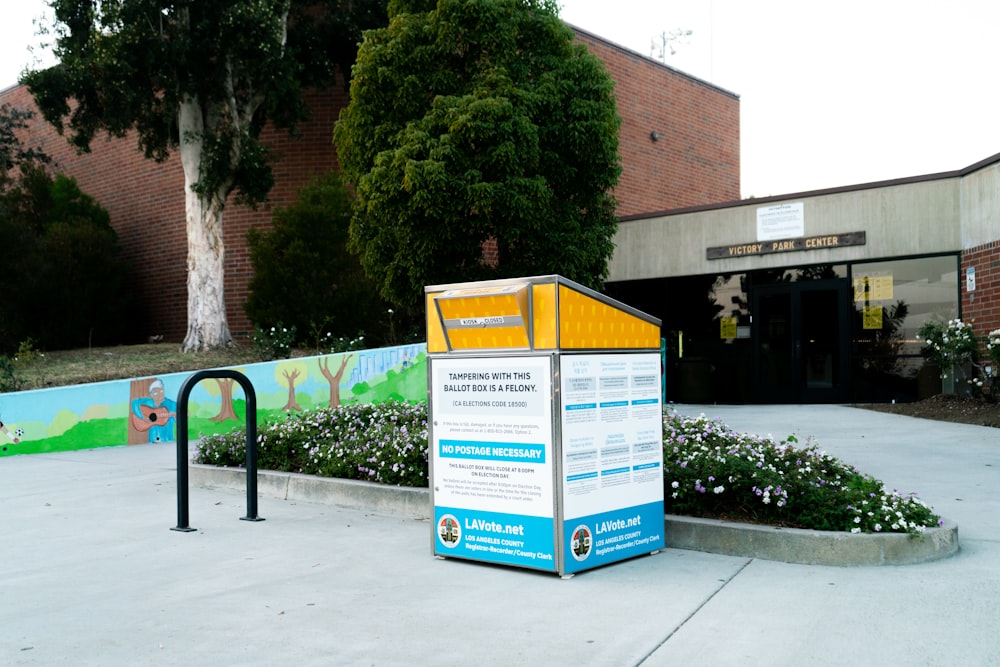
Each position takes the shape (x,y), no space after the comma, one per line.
(679,142)
(806,297)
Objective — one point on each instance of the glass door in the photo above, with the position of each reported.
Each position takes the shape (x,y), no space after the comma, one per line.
(801,341)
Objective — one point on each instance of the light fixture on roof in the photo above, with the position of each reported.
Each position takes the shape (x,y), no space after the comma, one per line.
(667,41)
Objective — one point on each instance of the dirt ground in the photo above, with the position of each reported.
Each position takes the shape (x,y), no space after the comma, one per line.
(947,407)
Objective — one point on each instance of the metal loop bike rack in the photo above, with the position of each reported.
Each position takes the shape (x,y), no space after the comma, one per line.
(182,445)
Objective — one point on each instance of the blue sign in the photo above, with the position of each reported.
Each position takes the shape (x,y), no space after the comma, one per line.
(607,537)
(509,539)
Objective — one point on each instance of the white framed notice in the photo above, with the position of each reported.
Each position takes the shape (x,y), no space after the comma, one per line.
(781,221)
(491,459)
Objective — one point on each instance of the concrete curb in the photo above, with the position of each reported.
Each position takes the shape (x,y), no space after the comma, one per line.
(810,547)
(789,545)
(405,500)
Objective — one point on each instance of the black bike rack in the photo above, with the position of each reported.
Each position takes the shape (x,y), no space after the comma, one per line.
(182,445)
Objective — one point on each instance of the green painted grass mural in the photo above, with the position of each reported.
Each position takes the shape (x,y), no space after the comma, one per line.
(143,410)
(101,432)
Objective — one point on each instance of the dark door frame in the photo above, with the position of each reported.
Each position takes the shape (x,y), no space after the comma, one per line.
(794,388)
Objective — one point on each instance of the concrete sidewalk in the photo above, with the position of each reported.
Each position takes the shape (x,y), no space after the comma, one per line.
(93,575)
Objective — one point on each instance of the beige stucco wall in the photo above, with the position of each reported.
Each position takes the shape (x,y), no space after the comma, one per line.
(910,218)
(980,201)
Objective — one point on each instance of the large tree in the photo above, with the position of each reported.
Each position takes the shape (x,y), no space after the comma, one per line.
(201,78)
(479,124)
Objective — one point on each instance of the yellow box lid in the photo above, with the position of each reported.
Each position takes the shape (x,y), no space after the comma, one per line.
(536,313)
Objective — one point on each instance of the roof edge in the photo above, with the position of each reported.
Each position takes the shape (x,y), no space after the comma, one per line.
(651,61)
(940,176)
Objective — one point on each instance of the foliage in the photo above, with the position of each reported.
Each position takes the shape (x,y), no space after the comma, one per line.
(273,343)
(20,241)
(132,64)
(304,275)
(12,150)
(330,344)
(385,442)
(204,79)
(988,383)
(479,125)
(10,379)
(949,344)
(993,347)
(710,470)
(64,282)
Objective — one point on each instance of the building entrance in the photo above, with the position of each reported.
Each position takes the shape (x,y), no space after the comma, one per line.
(837,333)
(800,337)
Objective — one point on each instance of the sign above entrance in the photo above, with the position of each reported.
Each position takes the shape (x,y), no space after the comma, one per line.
(781,221)
(787,245)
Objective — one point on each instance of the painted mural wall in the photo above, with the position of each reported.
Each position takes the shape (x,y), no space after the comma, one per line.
(144,410)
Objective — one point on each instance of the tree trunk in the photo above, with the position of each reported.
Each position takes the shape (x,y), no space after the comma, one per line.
(226,411)
(207,327)
(334,378)
(292,404)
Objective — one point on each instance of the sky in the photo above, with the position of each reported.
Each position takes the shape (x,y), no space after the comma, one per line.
(831,94)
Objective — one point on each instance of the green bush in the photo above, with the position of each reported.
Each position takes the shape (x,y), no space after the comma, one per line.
(305,277)
(383,442)
(712,471)
(65,284)
(273,343)
(709,470)
(949,344)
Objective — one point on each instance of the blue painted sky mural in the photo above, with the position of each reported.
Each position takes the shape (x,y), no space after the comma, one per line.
(132,411)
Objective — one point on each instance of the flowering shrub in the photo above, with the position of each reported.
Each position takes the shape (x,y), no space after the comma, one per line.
(993,347)
(273,343)
(949,344)
(712,471)
(384,442)
(988,382)
(331,344)
(709,470)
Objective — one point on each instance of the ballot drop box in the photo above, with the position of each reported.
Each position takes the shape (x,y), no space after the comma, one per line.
(546,425)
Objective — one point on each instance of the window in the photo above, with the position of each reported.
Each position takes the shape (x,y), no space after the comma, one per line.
(892,300)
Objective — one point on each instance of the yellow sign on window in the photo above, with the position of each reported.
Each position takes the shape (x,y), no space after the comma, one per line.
(883,288)
(727,328)
(873,317)
(873,288)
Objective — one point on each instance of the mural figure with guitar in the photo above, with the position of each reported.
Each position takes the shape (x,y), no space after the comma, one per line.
(15,437)
(155,415)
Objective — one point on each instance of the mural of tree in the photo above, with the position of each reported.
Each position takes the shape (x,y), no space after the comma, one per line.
(334,378)
(223,387)
(226,409)
(287,374)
